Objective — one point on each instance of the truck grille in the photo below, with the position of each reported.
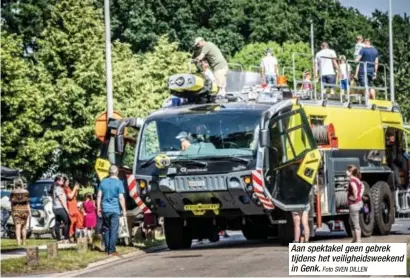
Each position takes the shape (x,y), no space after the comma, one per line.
(200,183)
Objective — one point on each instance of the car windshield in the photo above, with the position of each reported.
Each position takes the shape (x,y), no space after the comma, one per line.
(201,134)
(39,189)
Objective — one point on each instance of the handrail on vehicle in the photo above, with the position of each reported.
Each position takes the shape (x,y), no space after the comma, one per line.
(349,87)
(295,81)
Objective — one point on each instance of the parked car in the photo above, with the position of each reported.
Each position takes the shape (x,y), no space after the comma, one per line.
(37,190)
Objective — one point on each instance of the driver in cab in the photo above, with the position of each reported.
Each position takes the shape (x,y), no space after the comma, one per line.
(183,138)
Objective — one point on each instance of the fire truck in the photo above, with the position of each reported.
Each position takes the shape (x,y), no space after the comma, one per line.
(248,165)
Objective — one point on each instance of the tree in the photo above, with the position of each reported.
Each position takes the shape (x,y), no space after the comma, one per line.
(142,23)
(24,144)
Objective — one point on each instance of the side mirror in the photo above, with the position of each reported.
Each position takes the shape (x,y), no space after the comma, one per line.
(264,138)
(119,143)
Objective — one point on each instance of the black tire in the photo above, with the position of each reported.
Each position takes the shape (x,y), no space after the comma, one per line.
(214,237)
(176,235)
(53,233)
(285,232)
(347,225)
(367,220)
(384,212)
(11,232)
(254,230)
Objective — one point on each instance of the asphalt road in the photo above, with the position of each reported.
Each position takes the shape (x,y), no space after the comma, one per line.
(233,256)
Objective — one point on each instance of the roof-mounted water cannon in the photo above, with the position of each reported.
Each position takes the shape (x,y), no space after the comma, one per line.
(193,86)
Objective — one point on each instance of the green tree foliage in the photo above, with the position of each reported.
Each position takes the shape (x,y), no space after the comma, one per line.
(141,23)
(53,70)
(24,143)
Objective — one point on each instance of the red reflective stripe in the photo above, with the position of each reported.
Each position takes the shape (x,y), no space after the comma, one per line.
(132,185)
(257,180)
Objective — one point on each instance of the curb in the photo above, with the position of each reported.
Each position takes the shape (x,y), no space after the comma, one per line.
(108,261)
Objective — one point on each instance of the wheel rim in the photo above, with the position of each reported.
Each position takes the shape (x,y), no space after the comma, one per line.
(366,215)
(385,206)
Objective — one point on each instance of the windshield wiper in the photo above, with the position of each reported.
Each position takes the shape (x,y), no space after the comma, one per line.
(192,161)
(148,162)
(230,157)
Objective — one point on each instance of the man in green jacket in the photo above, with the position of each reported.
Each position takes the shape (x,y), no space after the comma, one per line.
(216,60)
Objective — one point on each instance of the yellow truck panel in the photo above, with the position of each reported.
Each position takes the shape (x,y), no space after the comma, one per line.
(356,128)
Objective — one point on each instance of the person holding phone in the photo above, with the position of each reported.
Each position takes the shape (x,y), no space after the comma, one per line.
(60,208)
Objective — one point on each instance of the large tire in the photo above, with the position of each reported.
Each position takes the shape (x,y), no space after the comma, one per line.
(384,211)
(367,220)
(285,232)
(254,230)
(176,235)
(347,225)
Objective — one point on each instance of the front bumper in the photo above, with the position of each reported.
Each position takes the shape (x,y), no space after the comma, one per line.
(168,196)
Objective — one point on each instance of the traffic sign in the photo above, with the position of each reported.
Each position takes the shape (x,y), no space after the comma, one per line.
(102,167)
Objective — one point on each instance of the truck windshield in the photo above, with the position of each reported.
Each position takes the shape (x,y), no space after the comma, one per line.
(203,134)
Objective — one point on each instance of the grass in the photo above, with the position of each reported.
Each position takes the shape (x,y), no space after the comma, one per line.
(67,260)
(408,264)
(9,244)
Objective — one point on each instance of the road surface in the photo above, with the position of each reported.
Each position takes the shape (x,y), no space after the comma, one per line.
(233,256)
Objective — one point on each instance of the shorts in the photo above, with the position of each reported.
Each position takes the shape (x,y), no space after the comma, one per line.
(220,77)
(343,84)
(329,79)
(369,79)
(306,210)
(270,79)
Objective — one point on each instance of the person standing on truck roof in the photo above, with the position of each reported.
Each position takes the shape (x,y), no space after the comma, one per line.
(355,193)
(216,60)
(326,65)
(110,201)
(269,68)
(345,70)
(370,55)
(358,46)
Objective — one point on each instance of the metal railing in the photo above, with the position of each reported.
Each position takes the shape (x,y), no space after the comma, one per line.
(356,66)
(297,82)
(258,68)
(236,66)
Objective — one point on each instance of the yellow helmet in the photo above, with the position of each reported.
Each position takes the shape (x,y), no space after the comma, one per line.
(162,161)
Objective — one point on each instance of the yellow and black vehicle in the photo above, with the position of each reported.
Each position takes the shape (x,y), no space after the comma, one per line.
(246,166)
(371,137)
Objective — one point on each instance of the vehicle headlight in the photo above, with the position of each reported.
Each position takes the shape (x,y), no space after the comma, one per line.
(234,183)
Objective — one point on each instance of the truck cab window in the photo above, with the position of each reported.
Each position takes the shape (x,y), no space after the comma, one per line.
(150,141)
(289,137)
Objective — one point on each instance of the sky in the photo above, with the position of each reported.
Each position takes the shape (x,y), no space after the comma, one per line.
(366,7)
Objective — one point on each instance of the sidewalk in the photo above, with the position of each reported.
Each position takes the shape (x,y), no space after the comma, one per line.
(21,252)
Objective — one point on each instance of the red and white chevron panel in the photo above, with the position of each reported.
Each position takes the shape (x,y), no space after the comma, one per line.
(132,188)
(259,189)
